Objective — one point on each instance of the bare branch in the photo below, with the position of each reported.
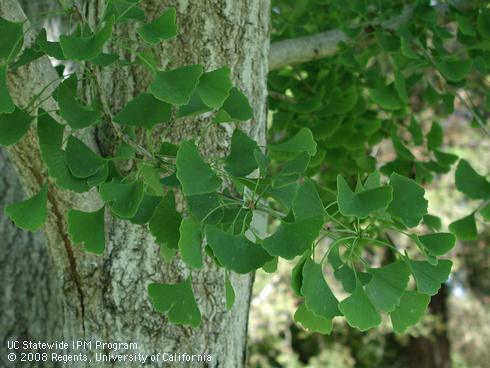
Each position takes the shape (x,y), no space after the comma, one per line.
(320,45)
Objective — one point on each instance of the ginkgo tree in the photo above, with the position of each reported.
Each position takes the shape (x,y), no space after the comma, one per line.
(316,179)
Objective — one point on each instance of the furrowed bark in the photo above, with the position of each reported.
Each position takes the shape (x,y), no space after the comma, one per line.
(104,298)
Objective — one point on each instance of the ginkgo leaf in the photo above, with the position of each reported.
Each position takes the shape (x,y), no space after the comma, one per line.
(162,28)
(165,222)
(435,136)
(191,166)
(386,97)
(311,321)
(76,115)
(50,48)
(319,299)
(6,103)
(214,87)
(236,252)
(146,209)
(307,202)
(30,214)
(438,244)
(297,275)
(12,39)
(87,228)
(13,126)
(292,239)
(359,311)
(235,108)
(433,222)
(81,160)
(229,292)
(177,85)
(485,212)
(144,111)
(363,203)
(85,47)
(301,142)
(123,198)
(429,277)
(190,242)
(194,107)
(483,23)
(178,300)
(465,26)
(453,70)
(124,10)
(469,182)
(410,311)
(465,228)
(400,86)
(408,204)
(387,285)
(241,160)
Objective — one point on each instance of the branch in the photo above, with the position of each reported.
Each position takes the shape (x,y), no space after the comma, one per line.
(320,45)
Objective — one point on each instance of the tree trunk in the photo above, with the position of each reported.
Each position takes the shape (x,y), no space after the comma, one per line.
(104,297)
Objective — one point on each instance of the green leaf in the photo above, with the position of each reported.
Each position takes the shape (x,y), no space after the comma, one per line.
(194,107)
(311,321)
(386,97)
(409,204)
(435,136)
(190,243)
(453,70)
(307,203)
(6,103)
(190,166)
(124,10)
(206,207)
(144,111)
(465,228)
(162,28)
(359,311)
(416,132)
(146,209)
(438,244)
(48,130)
(87,228)
(400,86)
(445,158)
(178,300)
(241,160)
(297,275)
(85,47)
(229,292)
(165,222)
(410,311)
(235,108)
(483,23)
(177,85)
(319,299)
(76,115)
(30,214)
(292,239)
(123,198)
(301,142)
(469,182)
(28,55)
(13,126)
(387,285)
(433,222)
(236,252)
(81,160)
(465,26)
(363,203)
(430,277)
(214,87)
(52,49)
(485,212)
(12,39)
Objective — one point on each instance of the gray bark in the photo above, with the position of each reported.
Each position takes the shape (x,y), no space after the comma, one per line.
(104,297)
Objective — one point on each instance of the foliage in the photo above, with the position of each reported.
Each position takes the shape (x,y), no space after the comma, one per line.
(316,178)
